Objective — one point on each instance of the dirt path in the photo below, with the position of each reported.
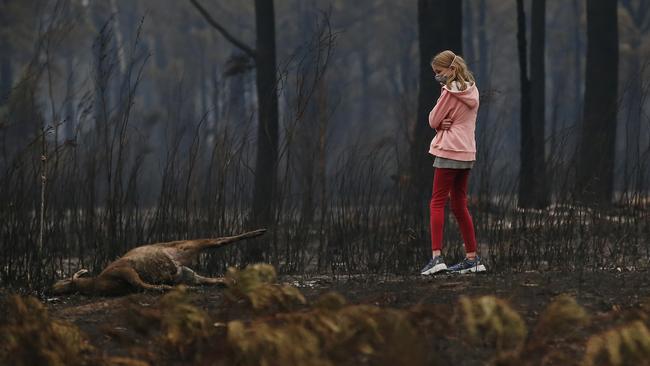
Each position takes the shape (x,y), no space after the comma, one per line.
(527,292)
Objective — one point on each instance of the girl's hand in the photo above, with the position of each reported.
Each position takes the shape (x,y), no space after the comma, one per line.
(446,124)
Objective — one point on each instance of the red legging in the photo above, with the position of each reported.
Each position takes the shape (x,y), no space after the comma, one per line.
(444,182)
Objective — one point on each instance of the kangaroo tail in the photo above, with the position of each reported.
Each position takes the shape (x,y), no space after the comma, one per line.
(217,242)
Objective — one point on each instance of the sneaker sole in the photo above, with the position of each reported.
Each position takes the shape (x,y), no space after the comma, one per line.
(435,269)
(475,269)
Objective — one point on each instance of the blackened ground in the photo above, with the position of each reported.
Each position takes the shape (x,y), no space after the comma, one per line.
(605,295)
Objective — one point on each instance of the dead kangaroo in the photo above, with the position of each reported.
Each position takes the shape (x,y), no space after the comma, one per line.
(149,267)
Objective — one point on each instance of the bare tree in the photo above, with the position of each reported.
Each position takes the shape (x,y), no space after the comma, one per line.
(636,20)
(267,132)
(595,170)
(266,80)
(440,28)
(532,173)
(482,45)
(6,70)
(578,44)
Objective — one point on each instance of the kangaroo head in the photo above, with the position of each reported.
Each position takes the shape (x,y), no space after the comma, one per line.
(68,285)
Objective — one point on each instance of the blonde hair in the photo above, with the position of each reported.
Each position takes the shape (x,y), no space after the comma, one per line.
(447,59)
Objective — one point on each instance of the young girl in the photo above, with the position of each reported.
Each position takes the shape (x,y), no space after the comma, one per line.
(454,148)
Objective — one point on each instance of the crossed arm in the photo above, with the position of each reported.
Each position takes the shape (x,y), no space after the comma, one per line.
(438,116)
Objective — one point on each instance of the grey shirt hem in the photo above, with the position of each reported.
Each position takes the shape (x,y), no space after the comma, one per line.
(452,164)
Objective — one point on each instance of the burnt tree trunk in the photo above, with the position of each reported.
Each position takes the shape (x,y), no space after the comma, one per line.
(468,34)
(70,111)
(577,61)
(538,103)
(6,82)
(632,174)
(633,171)
(6,72)
(532,174)
(483,61)
(267,132)
(595,168)
(439,28)
(264,190)
(526,151)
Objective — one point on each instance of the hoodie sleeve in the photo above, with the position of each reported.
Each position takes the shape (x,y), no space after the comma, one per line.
(439,112)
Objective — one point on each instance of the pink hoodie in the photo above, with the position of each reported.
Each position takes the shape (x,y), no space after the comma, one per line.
(461,107)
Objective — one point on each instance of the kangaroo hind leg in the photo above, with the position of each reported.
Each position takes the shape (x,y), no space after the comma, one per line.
(133,278)
(187,276)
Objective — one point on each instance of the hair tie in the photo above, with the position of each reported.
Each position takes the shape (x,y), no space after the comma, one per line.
(452,61)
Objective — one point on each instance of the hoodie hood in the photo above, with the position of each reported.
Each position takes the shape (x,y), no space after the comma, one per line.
(468,96)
